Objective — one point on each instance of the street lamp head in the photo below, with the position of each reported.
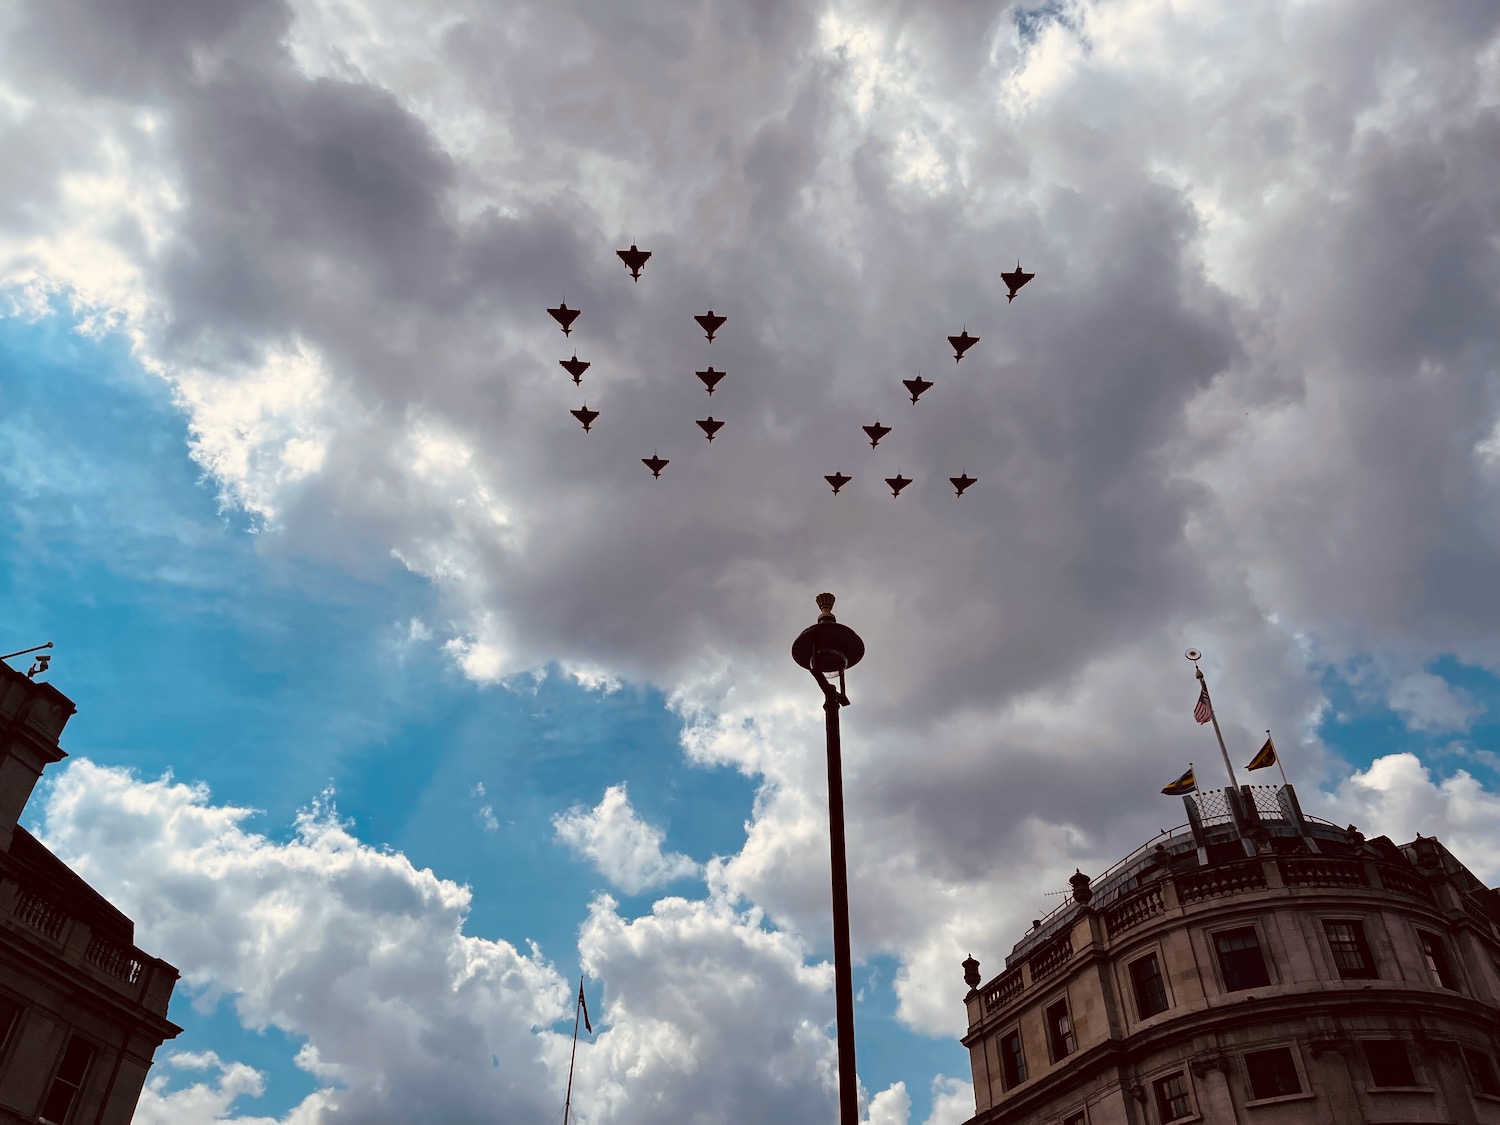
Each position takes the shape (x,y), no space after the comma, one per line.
(827,646)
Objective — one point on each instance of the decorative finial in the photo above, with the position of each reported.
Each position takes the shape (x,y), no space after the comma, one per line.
(1082,892)
(825,607)
(971,972)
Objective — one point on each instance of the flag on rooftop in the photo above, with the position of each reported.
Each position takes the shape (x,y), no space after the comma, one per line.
(1264,757)
(1205,710)
(1184,784)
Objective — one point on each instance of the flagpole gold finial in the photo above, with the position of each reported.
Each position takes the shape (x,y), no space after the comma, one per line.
(825,607)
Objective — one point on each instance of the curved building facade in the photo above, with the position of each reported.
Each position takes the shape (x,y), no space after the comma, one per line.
(1257,966)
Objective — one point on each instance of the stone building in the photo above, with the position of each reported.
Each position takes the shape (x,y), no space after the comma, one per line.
(82,1010)
(1255,967)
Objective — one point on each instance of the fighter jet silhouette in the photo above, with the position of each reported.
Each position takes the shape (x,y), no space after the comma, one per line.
(1014,281)
(710,378)
(916,386)
(655,464)
(961,483)
(575,367)
(710,323)
(962,343)
(634,259)
(709,426)
(876,432)
(897,483)
(586,416)
(564,316)
(838,480)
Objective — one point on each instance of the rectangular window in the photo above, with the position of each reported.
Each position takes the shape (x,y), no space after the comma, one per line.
(10,1019)
(1437,959)
(1390,1065)
(1060,1031)
(1273,1073)
(1351,953)
(1172,1100)
(1240,960)
(67,1082)
(1150,989)
(1012,1061)
(1482,1072)
(1079,1118)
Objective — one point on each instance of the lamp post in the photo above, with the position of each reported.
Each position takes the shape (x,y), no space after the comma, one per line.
(823,649)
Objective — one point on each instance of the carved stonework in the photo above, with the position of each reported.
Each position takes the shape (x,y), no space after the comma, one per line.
(1205,1061)
(1331,1044)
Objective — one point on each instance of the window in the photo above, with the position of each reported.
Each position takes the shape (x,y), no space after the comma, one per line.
(1012,1061)
(1482,1072)
(1389,1063)
(1172,1100)
(10,1017)
(1240,960)
(1060,1031)
(1273,1073)
(1351,953)
(1437,959)
(67,1082)
(1079,1118)
(1150,989)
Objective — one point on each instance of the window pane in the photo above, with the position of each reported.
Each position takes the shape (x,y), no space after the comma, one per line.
(1351,954)
(1240,960)
(1272,1073)
(1077,1119)
(10,1016)
(1482,1072)
(1389,1063)
(1172,1097)
(70,1076)
(1437,959)
(1150,989)
(1012,1060)
(1060,1030)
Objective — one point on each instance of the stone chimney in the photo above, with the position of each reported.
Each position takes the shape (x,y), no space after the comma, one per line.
(32,717)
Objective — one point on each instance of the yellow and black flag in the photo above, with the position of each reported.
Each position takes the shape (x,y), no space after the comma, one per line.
(1264,757)
(1184,784)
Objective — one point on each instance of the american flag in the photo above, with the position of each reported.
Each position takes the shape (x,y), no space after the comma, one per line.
(1204,711)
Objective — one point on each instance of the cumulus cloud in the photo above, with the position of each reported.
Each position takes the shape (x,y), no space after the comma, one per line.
(625,849)
(1248,403)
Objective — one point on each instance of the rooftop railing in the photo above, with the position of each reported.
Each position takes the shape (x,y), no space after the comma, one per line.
(117,960)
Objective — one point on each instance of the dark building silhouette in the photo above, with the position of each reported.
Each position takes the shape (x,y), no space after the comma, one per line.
(1256,967)
(82,1010)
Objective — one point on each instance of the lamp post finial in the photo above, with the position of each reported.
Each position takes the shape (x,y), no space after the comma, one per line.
(825,607)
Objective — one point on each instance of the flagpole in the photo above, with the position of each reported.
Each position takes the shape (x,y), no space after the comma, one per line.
(577,1006)
(1214,717)
(1279,766)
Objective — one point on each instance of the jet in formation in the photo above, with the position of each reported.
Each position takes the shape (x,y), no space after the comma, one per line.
(1014,281)
(916,386)
(575,367)
(710,323)
(838,480)
(634,259)
(586,416)
(897,483)
(876,432)
(960,483)
(709,426)
(564,316)
(655,464)
(962,343)
(710,378)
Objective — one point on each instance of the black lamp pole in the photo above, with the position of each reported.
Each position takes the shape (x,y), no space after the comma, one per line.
(824,649)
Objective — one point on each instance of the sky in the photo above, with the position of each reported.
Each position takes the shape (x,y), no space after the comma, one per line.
(403,703)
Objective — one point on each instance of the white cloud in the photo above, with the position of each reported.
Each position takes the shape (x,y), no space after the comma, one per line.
(1398,797)
(625,849)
